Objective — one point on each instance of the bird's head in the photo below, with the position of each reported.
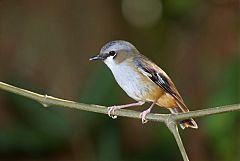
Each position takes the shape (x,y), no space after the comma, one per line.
(116,52)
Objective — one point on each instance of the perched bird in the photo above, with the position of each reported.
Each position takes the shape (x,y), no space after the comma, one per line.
(142,80)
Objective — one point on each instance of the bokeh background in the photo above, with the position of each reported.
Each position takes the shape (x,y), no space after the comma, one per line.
(45,46)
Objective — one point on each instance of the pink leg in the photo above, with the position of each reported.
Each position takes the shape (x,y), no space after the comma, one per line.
(144,113)
(112,109)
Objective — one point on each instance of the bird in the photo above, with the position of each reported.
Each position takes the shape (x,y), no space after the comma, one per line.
(142,80)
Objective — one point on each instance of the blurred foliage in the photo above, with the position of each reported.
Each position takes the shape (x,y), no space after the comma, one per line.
(222,129)
(34,129)
(45,46)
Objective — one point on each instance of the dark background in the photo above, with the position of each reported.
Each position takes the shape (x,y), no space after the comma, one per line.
(45,46)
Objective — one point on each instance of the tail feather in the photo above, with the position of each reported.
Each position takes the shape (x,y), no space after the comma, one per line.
(184,123)
(188,123)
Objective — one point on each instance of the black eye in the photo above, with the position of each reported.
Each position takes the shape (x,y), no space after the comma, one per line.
(112,53)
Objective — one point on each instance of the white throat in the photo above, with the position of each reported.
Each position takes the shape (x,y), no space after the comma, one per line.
(110,62)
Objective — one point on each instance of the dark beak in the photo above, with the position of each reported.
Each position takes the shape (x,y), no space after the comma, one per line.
(96,57)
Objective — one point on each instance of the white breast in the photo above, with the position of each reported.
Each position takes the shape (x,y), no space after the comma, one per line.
(129,80)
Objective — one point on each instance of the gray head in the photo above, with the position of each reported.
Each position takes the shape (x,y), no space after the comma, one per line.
(115,51)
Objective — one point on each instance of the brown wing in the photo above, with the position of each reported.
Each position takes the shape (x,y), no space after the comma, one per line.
(159,77)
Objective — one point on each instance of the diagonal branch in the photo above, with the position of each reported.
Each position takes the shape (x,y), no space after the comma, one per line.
(172,126)
(169,119)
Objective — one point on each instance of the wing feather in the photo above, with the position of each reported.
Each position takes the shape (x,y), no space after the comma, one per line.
(159,77)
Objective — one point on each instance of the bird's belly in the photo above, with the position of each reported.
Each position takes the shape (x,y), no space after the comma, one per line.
(166,100)
(136,85)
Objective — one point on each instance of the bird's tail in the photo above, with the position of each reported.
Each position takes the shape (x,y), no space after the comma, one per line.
(184,123)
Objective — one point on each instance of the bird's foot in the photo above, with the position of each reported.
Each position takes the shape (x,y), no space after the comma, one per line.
(144,114)
(111,111)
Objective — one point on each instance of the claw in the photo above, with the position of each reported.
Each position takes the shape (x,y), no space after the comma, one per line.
(143,116)
(111,111)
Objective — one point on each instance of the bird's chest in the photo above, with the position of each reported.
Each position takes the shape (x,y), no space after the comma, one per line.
(135,84)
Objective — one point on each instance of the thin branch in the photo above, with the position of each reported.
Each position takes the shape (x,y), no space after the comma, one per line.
(172,126)
(170,119)
(208,111)
(46,100)
(49,100)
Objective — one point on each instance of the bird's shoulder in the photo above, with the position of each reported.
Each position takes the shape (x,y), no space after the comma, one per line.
(150,69)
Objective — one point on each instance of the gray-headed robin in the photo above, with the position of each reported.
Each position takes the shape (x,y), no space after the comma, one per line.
(142,80)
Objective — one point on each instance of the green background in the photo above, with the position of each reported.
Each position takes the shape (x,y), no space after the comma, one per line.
(45,47)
